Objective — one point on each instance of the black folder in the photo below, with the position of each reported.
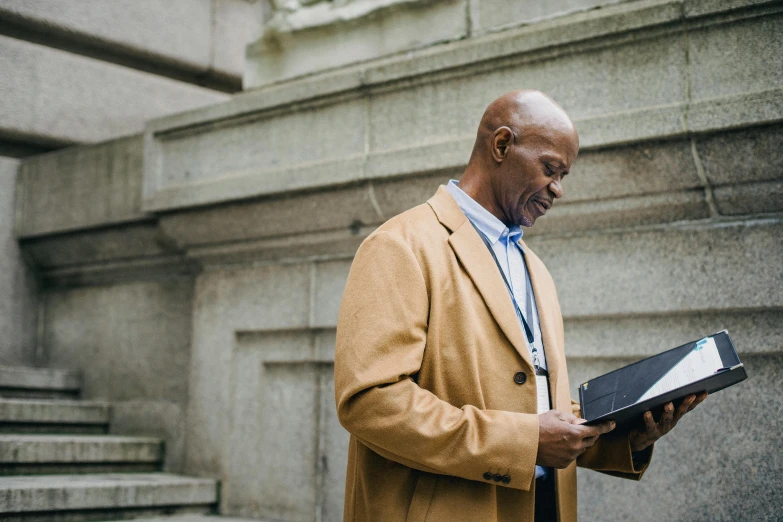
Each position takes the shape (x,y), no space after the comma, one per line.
(616,395)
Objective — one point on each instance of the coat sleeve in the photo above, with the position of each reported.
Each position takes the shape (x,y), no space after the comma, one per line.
(381,340)
(611,454)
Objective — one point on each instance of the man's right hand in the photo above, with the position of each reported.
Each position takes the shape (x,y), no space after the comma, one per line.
(562,438)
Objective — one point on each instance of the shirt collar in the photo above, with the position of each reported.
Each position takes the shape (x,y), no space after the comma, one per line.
(488,224)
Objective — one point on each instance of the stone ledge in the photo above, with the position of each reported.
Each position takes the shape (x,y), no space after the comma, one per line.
(616,19)
(44,379)
(19,411)
(98,449)
(71,492)
(387,107)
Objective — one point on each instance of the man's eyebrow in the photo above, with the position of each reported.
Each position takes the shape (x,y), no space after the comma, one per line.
(554,161)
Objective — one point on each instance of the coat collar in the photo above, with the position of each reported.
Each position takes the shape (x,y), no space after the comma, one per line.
(478,263)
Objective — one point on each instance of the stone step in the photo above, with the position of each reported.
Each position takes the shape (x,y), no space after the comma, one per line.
(53,416)
(199,518)
(58,454)
(26,382)
(113,496)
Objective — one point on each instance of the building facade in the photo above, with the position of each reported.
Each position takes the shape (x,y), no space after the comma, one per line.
(192,268)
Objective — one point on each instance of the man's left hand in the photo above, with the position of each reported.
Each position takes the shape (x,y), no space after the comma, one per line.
(641,439)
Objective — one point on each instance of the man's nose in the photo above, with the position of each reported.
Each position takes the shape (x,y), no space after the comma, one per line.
(556,188)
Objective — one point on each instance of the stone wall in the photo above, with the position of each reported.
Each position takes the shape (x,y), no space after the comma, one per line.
(86,71)
(246,214)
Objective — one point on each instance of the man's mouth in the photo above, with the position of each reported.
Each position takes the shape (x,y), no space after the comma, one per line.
(543,206)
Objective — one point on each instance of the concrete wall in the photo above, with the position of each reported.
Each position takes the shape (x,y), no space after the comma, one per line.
(232,229)
(18,286)
(83,72)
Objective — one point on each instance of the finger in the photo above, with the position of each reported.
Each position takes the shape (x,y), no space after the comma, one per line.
(649,424)
(597,430)
(683,408)
(667,417)
(589,441)
(698,400)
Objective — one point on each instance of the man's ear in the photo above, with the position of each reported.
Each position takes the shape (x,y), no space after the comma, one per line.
(501,141)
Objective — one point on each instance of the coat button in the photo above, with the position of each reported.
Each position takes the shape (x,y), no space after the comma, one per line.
(520,377)
(496,477)
(506,479)
(487,476)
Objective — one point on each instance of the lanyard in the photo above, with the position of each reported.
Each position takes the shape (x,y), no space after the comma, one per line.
(520,315)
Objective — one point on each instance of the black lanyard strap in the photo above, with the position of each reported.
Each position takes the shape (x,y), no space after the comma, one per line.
(520,315)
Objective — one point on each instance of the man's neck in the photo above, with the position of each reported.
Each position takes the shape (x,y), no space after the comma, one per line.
(481,192)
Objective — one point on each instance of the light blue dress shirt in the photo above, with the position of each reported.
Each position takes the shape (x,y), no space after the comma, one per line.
(510,255)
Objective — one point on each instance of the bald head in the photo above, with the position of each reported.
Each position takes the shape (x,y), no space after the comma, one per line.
(524,112)
(524,146)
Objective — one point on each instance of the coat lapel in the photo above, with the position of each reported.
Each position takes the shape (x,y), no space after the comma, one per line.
(547,322)
(481,268)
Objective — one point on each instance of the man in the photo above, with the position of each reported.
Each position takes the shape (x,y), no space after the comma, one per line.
(449,329)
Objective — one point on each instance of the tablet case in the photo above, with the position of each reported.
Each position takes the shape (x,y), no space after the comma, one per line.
(613,396)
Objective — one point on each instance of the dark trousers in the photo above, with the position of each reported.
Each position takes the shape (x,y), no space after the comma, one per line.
(546,506)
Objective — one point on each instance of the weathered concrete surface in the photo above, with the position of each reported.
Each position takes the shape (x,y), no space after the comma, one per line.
(132,343)
(62,416)
(80,187)
(18,287)
(55,97)
(115,491)
(647,74)
(74,449)
(201,38)
(491,15)
(40,379)
(329,35)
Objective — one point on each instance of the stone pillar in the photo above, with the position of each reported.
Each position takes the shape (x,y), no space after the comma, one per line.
(18,287)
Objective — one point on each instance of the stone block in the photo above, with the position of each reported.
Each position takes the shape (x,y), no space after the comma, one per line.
(162,419)
(100,246)
(55,97)
(80,187)
(495,14)
(578,217)
(330,278)
(73,449)
(752,332)
(285,450)
(621,78)
(718,453)
(129,341)
(328,35)
(53,414)
(752,198)
(229,304)
(174,32)
(742,156)
(734,59)
(42,379)
(201,39)
(642,169)
(289,216)
(690,268)
(104,491)
(256,157)
(18,286)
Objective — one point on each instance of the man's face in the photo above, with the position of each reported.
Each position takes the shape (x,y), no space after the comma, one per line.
(530,175)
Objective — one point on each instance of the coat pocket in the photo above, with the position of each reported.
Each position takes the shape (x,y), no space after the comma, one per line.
(422,497)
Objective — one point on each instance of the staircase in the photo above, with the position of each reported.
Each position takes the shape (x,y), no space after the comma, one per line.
(58,463)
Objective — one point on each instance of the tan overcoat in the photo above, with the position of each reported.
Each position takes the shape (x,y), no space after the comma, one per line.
(428,345)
